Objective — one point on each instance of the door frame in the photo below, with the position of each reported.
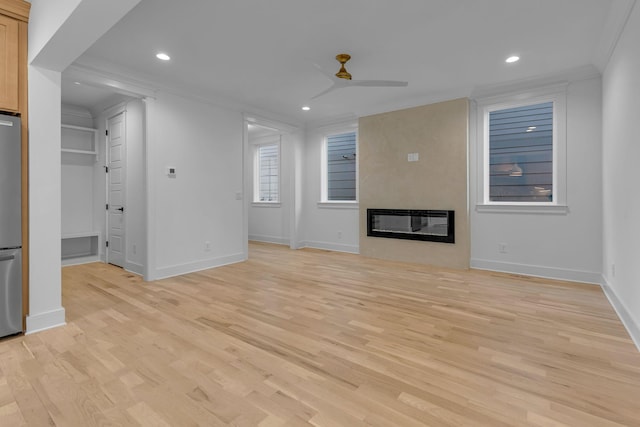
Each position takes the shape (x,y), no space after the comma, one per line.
(285,131)
(115,113)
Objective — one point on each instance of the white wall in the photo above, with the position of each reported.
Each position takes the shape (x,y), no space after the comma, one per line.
(621,151)
(552,245)
(45,298)
(325,226)
(203,203)
(64,29)
(46,18)
(77,179)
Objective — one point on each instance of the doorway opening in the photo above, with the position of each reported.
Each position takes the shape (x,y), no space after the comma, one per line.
(270,181)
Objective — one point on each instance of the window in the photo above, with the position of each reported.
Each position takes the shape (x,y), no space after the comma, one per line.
(524,160)
(521,154)
(339,165)
(267,173)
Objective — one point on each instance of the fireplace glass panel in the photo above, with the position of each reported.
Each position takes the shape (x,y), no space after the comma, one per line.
(432,225)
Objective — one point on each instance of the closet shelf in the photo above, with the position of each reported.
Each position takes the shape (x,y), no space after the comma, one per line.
(72,150)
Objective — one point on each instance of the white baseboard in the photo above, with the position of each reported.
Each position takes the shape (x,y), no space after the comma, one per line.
(80,260)
(134,267)
(190,267)
(43,321)
(269,239)
(633,327)
(330,246)
(538,271)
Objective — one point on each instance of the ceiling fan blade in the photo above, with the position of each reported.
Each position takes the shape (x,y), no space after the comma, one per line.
(323,72)
(377,83)
(331,88)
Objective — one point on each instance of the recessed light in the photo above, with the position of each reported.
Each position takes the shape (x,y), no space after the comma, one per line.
(512,59)
(163,56)
(306,108)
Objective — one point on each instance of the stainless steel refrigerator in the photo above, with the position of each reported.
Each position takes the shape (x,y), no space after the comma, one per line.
(10,229)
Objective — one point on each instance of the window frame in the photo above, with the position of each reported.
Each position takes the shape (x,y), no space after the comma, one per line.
(256,173)
(556,94)
(325,202)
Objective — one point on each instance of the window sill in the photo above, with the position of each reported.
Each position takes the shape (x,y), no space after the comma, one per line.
(265,204)
(524,209)
(338,205)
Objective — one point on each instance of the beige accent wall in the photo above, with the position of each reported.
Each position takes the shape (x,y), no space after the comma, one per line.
(439,134)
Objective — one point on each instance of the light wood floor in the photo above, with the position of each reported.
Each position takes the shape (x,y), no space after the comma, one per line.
(293,338)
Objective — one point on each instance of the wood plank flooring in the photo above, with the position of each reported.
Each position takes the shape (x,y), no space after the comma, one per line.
(309,337)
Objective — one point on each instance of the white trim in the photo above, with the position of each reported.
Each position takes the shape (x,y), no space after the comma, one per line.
(191,267)
(72,110)
(613,28)
(523,209)
(339,124)
(556,93)
(328,246)
(630,324)
(43,321)
(592,277)
(134,267)
(92,76)
(150,190)
(80,260)
(266,204)
(269,239)
(347,204)
(278,126)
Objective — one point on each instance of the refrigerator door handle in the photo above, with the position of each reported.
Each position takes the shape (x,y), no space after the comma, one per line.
(7,257)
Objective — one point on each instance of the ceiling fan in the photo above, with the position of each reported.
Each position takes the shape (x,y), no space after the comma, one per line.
(344,78)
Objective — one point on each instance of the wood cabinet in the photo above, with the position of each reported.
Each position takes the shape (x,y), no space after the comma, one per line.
(14,15)
(14,18)
(9,58)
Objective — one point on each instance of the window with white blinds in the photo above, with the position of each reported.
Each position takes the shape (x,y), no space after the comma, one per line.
(521,154)
(341,167)
(267,173)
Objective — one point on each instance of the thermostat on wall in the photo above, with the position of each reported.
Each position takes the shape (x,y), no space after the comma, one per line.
(171,171)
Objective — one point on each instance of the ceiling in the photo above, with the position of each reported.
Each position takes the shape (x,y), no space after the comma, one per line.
(259,55)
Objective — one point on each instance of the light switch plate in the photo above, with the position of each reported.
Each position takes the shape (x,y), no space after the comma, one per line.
(413,157)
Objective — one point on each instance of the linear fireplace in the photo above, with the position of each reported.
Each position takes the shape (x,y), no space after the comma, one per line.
(431,225)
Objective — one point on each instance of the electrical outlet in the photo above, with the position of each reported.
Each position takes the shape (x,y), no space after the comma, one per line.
(502,248)
(207,246)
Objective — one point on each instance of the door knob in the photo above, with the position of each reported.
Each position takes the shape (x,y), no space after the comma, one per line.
(120,209)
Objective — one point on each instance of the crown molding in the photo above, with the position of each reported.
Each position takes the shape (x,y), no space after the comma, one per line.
(563,78)
(614,26)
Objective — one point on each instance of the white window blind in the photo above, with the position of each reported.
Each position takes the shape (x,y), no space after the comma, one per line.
(521,154)
(268,172)
(341,167)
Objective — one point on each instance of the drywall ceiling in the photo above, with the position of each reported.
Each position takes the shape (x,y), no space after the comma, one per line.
(259,55)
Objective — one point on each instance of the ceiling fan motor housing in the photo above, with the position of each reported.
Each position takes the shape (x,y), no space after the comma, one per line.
(342,59)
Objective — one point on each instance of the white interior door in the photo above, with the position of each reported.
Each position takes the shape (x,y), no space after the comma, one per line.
(116,246)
